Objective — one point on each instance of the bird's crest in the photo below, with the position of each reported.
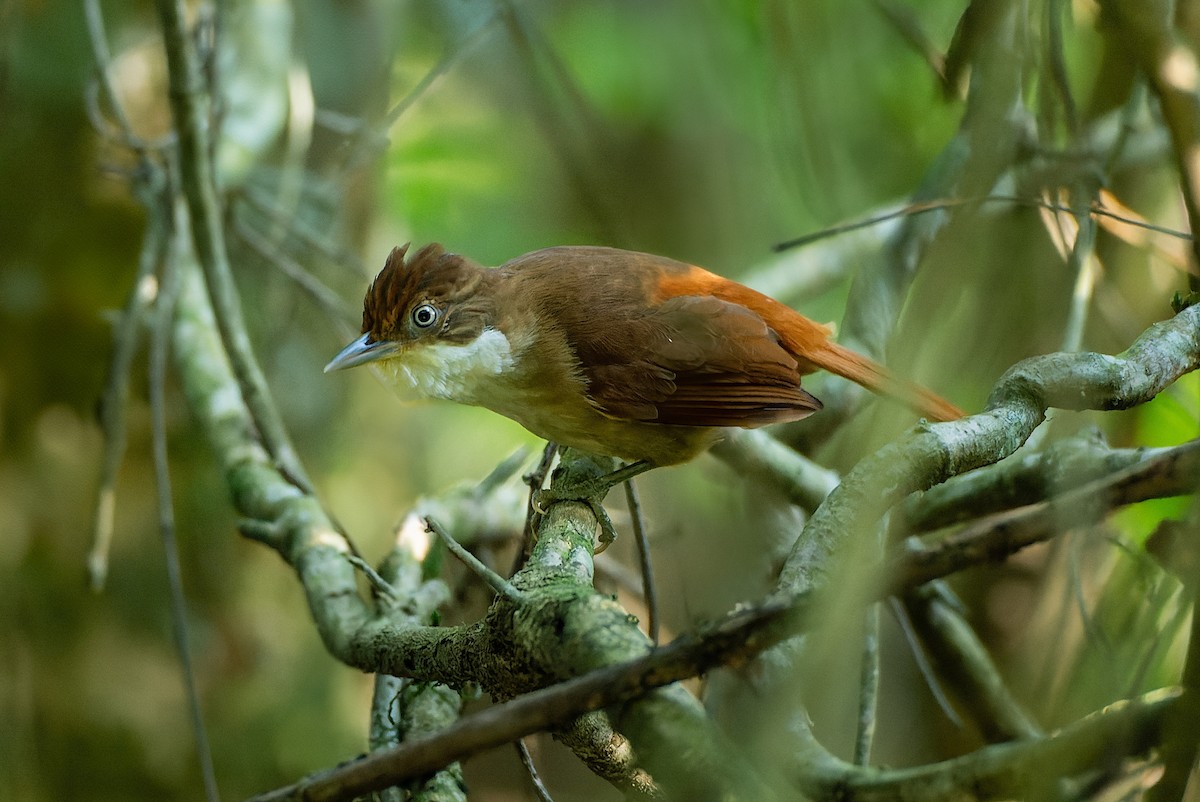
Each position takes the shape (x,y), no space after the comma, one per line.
(430,274)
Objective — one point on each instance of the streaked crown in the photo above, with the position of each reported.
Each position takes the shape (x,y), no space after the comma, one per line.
(431,277)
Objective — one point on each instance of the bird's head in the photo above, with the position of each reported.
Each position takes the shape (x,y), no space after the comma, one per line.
(429,319)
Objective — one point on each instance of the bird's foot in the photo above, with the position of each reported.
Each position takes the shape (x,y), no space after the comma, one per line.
(590,491)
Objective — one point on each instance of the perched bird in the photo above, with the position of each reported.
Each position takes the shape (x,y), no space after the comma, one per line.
(613,352)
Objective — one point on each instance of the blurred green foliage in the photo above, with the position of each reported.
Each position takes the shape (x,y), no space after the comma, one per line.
(706,130)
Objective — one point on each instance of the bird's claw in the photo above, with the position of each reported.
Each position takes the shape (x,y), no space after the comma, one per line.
(537,501)
(591,491)
(542,499)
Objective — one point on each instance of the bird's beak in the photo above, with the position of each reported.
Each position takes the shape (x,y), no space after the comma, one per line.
(362,351)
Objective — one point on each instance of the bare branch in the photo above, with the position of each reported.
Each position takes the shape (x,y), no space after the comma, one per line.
(339,310)
(760,457)
(868,695)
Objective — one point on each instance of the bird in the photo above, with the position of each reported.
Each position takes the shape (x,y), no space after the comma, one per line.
(613,352)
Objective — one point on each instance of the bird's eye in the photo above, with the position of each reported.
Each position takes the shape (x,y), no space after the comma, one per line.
(425,315)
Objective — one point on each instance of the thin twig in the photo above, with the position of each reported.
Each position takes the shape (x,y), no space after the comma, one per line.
(307,235)
(1074,582)
(339,310)
(921,658)
(456,51)
(624,578)
(536,479)
(535,779)
(941,204)
(493,579)
(1166,635)
(381,585)
(1085,266)
(1157,47)
(754,454)
(116,390)
(363,141)
(1055,10)
(210,27)
(574,137)
(964,664)
(504,471)
(1128,123)
(643,547)
(160,345)
(128,334)
(905,22)
(102,57)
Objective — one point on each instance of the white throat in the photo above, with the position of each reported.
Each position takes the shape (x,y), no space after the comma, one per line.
(452,372)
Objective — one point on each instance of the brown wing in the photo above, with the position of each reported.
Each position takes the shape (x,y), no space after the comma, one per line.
(694,361)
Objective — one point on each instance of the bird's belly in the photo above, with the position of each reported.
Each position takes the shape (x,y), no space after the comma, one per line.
(566,418)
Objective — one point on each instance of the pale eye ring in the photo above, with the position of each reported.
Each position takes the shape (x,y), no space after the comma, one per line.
(425,315)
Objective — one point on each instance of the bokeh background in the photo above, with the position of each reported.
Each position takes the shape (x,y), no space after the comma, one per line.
(707,130)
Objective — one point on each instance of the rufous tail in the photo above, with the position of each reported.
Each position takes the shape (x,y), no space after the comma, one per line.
(809,342)
(878,379)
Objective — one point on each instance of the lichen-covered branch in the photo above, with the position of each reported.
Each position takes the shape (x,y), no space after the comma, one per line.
(1023,478)
(932,453)
(732,641)
(277,511)
(403,709)
(1173,472)
(1125,728)
(1024,769)
(191,108)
